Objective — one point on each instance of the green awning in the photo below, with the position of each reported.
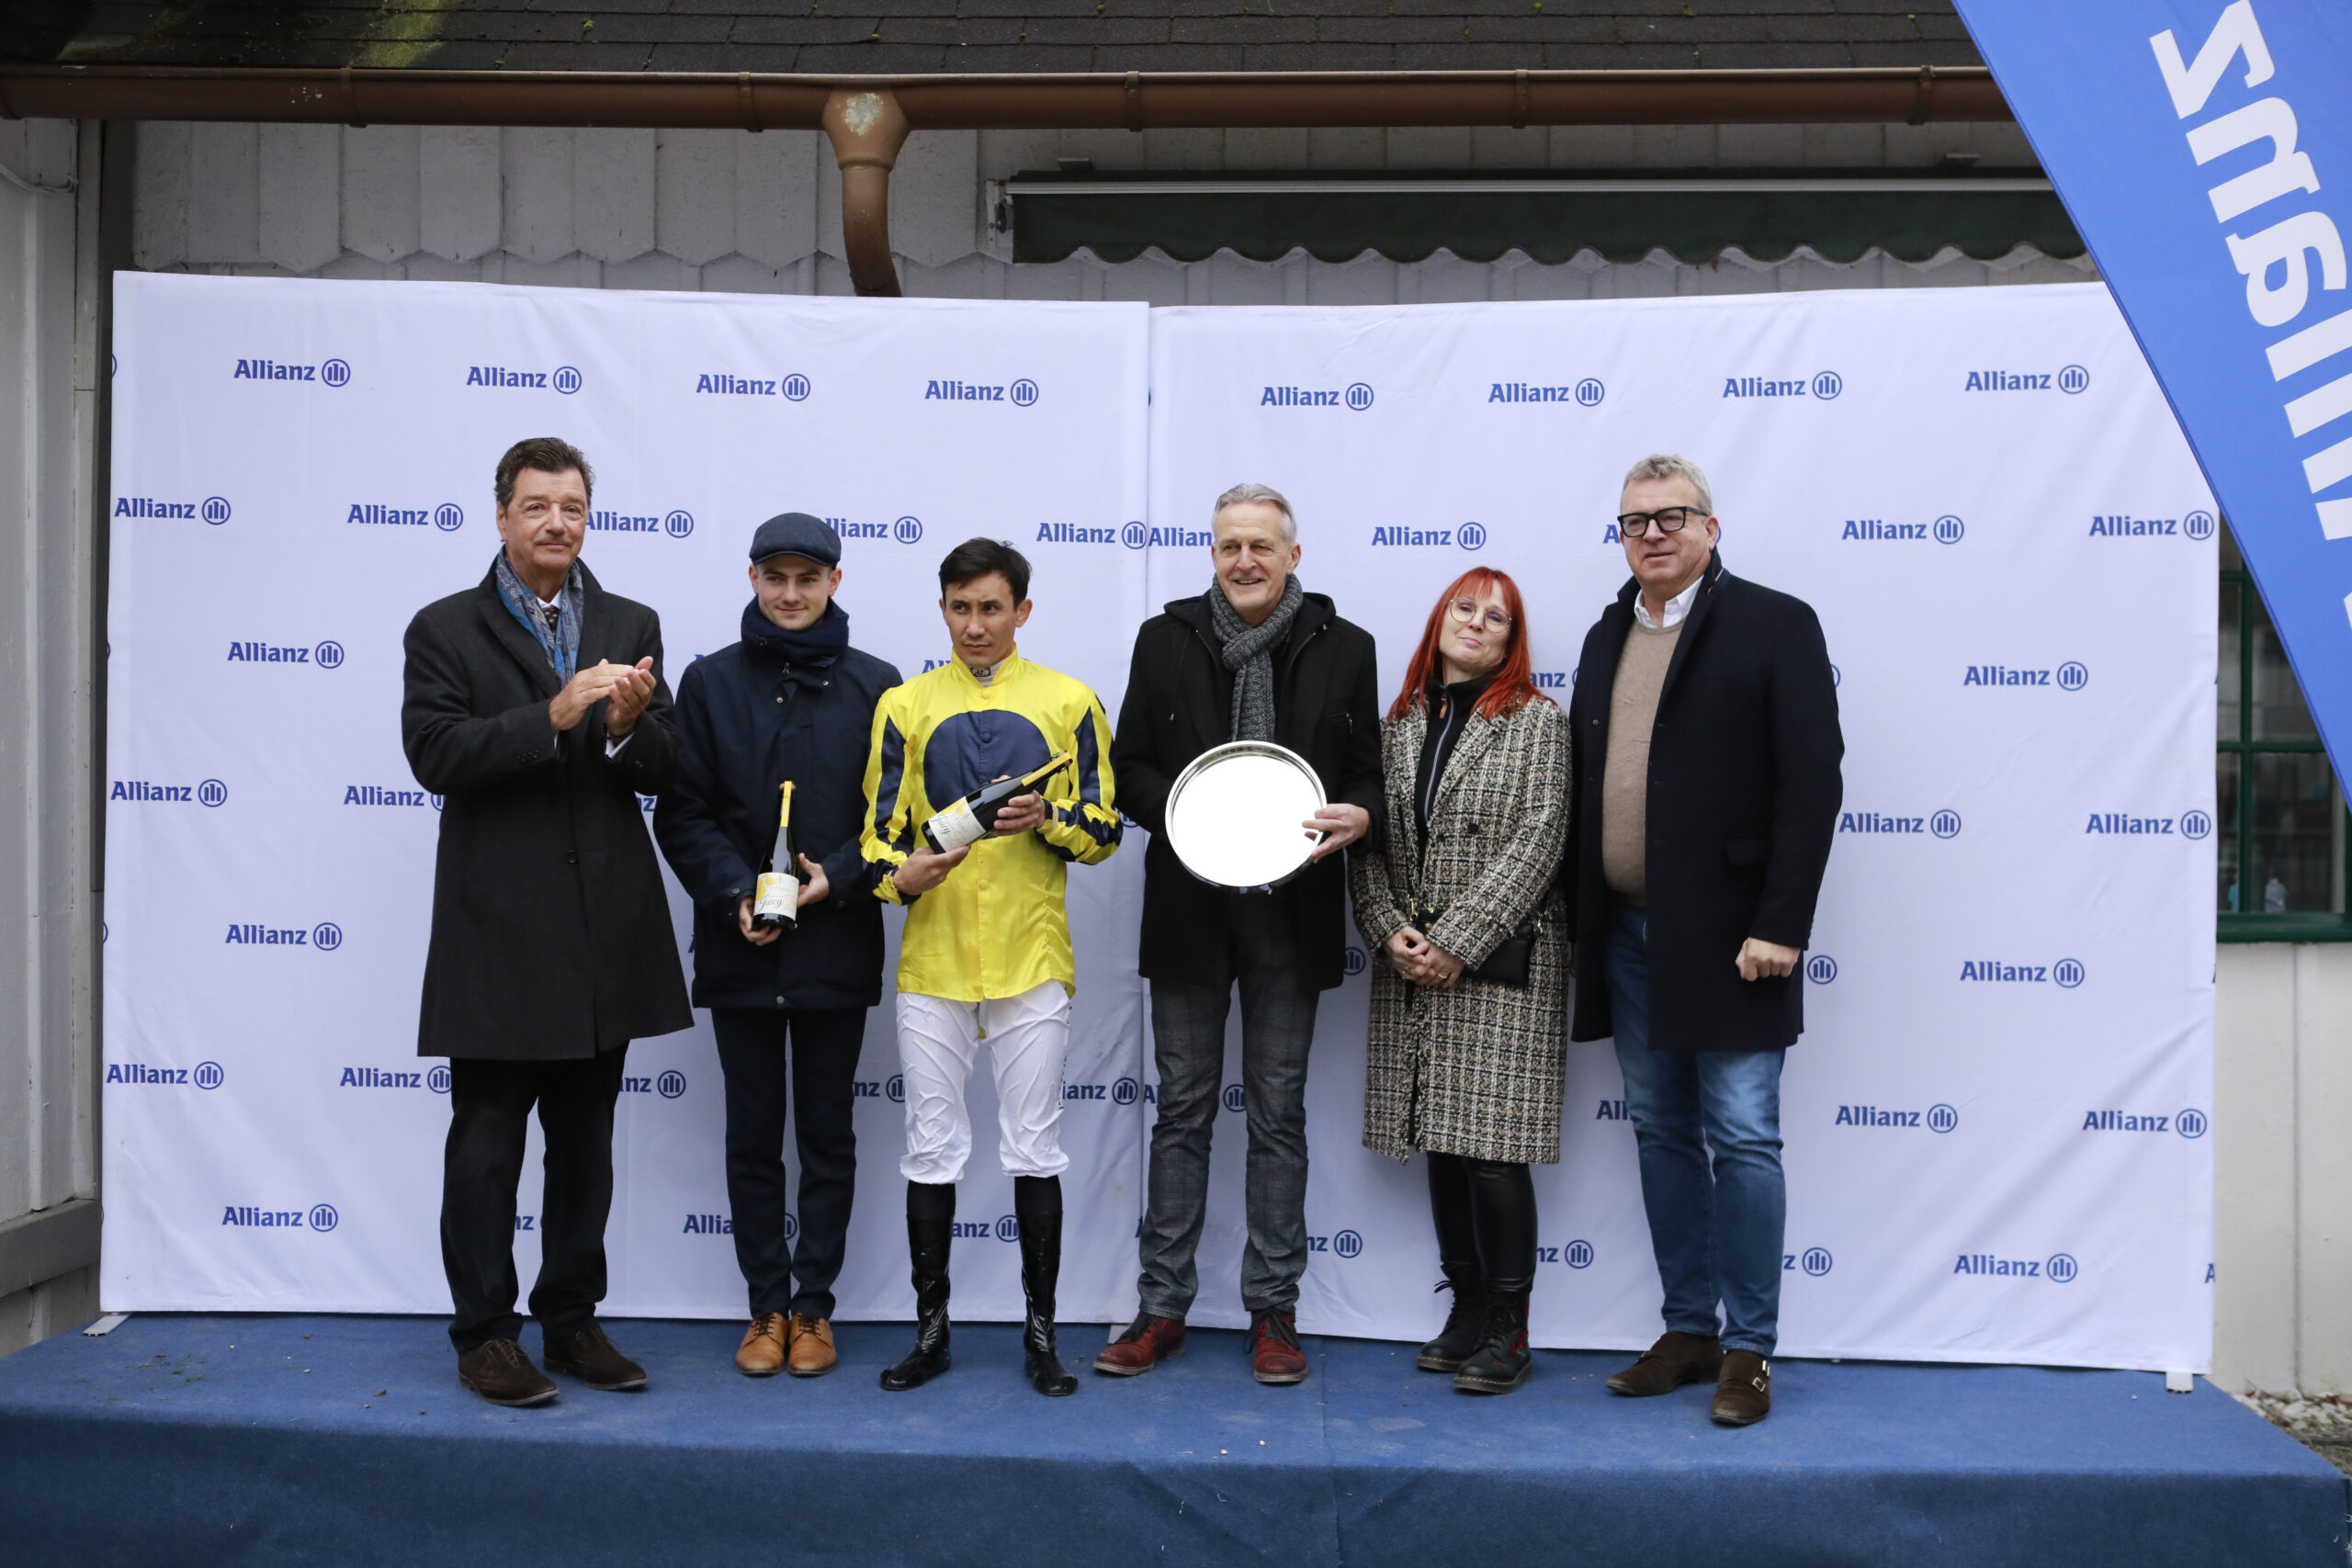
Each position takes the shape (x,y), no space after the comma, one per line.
(1694,217)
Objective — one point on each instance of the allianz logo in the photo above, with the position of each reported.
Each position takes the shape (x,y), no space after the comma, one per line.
(1020,394)
(1340,1244)
(1937,1118)
(1554,680)
(319,1217)
(2066,973)
(328,372)
(211,792)
(377,795)
(564,379)
(448,517)
(435,1079)
(845,529)
(2195,525)
(1587,393)
(1576,1254)
(1006,1228)
(212,509)
(676,524)
(1945,530)
(892,1089)
(1815,1260)
(792,388)
(2189,1123)
(707,1224)
(204,1075)
(2119,824)
(1469,536)
(2071,676)
(668,1085)
(1825,385)
(389,1077)
(2059,1267)
(325,655)
(2073,378)
(1356,395)
(326,936)
(1945,824)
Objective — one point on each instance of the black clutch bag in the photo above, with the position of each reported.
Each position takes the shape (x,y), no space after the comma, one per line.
(1509,964)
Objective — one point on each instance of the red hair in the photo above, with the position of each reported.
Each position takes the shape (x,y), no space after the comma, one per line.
(1512,686)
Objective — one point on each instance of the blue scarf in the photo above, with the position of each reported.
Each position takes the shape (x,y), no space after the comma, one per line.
(806,653)
(562,645)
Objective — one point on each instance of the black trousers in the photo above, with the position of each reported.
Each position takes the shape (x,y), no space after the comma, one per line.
(490,1109)
(1485,1211)
(821,1069)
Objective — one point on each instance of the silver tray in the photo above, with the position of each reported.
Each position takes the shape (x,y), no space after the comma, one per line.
(1234,814)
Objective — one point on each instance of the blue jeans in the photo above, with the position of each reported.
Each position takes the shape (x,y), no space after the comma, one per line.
(1716,1234)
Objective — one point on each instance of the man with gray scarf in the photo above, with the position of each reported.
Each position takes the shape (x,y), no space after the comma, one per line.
(1256,658)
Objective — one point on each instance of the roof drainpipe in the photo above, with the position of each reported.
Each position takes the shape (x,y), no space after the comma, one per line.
(868,128)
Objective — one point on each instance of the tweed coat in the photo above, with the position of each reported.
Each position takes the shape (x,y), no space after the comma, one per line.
(1476,1070)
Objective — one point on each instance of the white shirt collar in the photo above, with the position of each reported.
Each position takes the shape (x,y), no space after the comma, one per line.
(1676,607)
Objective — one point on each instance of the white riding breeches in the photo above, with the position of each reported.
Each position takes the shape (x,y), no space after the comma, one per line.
(1027,1037)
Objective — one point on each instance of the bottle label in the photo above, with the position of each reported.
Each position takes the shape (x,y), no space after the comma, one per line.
(955,827)
(777,897)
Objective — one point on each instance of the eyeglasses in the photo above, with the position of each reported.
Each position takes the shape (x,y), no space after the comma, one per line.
(1465,612)
(1669,520)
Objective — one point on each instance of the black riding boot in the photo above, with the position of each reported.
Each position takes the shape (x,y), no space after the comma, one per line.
(931,1230)
(1037,1204)
(1457,1257)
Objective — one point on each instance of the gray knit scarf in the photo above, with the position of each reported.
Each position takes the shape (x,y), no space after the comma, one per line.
(1248,652)
(562,645)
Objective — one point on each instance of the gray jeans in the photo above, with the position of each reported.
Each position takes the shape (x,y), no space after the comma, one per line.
(1188,1029)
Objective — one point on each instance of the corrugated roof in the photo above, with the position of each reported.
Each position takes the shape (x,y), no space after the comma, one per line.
(927,35)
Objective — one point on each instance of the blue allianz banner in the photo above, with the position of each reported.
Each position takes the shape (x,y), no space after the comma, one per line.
(2204,150)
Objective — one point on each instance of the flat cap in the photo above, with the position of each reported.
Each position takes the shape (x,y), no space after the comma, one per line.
(796,534)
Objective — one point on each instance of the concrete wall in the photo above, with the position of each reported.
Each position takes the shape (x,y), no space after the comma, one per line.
(48,848)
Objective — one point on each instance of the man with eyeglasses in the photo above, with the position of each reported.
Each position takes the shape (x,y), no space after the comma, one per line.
(1706,786)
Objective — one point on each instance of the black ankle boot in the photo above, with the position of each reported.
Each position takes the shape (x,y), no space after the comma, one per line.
(1465,1323)
(1501,1362)
(931,1230)
(1037,1205)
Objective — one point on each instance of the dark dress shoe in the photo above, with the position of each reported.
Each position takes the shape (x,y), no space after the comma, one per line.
(590,1357)
(1274,1355)
(1676,1358)
(499,1372)
(1744,1392)
(1149,1341)
(1501,1361)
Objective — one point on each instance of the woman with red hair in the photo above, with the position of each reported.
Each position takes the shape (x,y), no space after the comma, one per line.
(1460,898)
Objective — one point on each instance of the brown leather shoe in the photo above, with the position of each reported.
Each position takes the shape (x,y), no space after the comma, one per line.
(502,1373)
(1149,1341)
(590,1357)
(812,1346)
(1274,1355)
(1676,1358)
(761,1353)
(1744,1392)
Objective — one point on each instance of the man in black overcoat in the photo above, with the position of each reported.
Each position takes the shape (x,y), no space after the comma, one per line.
(535,706)
(1256,658)
(789,699)
(1705,755)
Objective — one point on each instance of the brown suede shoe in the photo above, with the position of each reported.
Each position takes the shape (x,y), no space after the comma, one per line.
(1676,1358)
(502,1373)
(761,1353)
(1149,1341)
(590,1357)
(1744,1393)
(1274,1355)
(812,1346)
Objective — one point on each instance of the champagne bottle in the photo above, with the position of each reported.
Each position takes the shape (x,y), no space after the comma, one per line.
(775,898)
(972,818)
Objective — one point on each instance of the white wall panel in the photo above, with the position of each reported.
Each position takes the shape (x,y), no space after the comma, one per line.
(537,188)
(613,207)
(382,191)
(224,180)
(459,185)
(300,209)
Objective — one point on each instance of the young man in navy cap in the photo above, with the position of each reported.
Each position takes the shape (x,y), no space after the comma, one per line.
(790,700)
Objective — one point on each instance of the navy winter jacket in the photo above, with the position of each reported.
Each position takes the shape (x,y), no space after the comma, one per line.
(745,724)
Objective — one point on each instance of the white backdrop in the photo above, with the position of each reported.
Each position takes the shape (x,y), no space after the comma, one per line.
(2004,1169)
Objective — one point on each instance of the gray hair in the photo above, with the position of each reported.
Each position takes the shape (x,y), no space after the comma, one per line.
(1668,466)
(1266,493)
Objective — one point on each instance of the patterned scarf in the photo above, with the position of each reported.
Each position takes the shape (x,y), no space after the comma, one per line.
(1248,652)
(561,645)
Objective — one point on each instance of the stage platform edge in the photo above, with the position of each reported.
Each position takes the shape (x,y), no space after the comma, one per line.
(220,1441)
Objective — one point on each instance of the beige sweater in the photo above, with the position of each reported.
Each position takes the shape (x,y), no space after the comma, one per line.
(1625,770)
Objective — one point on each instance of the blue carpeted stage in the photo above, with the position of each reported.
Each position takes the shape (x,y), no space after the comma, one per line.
(221,1440)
